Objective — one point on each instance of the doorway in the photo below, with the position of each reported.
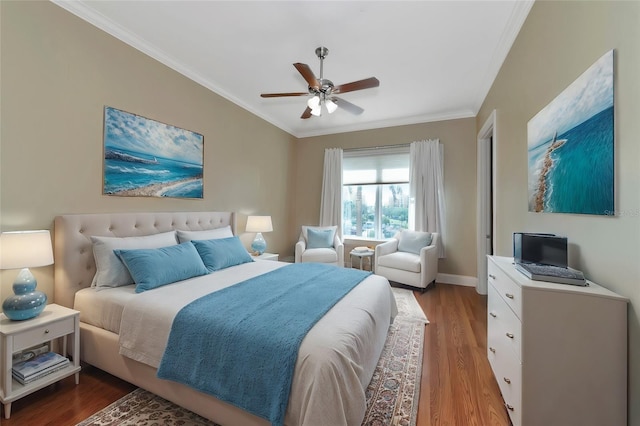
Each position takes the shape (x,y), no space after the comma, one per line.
(486,212)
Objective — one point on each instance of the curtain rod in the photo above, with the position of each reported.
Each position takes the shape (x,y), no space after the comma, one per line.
(374,148)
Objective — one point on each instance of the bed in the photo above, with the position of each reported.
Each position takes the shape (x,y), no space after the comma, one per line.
(360,321)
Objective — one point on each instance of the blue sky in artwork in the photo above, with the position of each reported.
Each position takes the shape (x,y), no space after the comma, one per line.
(134,133)
(589,94)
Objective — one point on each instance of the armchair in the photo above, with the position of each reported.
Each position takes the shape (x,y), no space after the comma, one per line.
(409,258)
(320,244)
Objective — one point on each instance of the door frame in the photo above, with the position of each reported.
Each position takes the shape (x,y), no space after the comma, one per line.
(486,198)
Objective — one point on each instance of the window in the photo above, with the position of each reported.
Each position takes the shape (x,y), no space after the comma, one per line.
(375,194)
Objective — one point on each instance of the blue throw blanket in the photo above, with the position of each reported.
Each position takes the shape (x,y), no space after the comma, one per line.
(240,344)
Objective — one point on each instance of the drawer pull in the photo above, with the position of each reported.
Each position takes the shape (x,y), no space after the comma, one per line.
(492,314)
(493,277)
(509,335)
(507,380)
(492,349)
(510,407)
(46,331)
(509,295)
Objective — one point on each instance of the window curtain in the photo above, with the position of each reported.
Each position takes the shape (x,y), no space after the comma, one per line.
(331,201)
(426,188)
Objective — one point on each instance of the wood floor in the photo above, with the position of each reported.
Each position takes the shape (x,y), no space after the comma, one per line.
(457,386)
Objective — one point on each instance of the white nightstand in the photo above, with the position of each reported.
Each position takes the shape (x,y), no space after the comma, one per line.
(267,256)
(53,323)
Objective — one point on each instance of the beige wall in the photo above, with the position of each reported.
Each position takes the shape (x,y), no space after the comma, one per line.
(58,73)
(458,138)
(557,43)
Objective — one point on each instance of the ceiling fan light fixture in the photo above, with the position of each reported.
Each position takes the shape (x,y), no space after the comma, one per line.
(314,102)
(331,106)
(317,111)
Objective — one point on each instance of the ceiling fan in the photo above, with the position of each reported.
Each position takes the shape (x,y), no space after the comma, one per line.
(323,90)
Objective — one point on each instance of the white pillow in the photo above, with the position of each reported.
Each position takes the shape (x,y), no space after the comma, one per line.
(110,271)
(319,228)
(210,234)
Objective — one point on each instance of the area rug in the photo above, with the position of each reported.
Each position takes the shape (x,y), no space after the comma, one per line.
(392,396)
(408,306)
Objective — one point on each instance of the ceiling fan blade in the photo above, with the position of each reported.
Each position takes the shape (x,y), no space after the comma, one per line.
(308,75)
(278,95)
(348,106)
(306,113)
(367,83)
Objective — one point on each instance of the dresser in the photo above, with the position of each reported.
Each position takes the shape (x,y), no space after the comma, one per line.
(558,351)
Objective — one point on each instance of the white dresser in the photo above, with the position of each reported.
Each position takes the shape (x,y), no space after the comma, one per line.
(558,352)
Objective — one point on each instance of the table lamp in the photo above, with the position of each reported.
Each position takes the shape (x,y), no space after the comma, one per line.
(259,224)
(24,250)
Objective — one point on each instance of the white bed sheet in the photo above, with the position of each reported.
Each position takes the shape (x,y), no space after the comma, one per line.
(103,308)
(335,362)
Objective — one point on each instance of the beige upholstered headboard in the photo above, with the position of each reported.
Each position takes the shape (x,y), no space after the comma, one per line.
(74,264)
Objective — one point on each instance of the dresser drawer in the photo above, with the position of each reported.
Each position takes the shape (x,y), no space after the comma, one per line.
(43,333)
(506,287)
(502,323)
(508,372)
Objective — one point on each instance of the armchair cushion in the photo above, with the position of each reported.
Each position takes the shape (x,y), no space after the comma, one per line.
(401,260)
(413,241)
(305,231)
(320,255)
(319,238)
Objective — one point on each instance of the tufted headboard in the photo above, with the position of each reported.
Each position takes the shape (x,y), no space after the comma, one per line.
(74,263)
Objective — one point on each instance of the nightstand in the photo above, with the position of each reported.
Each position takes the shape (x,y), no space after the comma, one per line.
(267,256)
(53,323)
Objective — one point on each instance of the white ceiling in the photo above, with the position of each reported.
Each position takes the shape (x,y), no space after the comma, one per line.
(435,60)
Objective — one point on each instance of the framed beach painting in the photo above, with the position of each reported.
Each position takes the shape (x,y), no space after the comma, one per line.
(146,158)
(570,147)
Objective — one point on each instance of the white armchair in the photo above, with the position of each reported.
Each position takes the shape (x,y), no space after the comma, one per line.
(320,244)
(409,258)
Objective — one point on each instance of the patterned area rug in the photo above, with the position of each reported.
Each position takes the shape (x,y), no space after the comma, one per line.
(392,396)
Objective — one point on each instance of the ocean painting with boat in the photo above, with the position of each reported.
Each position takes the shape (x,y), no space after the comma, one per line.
(146,158)
(570,147)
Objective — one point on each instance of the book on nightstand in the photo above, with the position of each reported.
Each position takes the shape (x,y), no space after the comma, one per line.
(30,353)
(362,249)
(44,364)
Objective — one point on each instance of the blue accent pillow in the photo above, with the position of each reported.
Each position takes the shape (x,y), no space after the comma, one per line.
(152,268)
(413,241)
(319,238)
(222,253)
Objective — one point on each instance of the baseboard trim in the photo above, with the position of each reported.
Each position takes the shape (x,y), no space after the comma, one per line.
(457,280)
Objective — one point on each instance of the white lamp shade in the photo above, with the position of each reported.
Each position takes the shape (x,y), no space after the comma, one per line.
(259,224)
(25,249)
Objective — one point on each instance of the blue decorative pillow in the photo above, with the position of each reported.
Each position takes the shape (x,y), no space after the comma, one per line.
(319,238)
(222,253)
(413,241)
(151,268)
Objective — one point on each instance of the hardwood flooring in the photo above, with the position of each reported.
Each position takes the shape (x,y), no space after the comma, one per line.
(457,385)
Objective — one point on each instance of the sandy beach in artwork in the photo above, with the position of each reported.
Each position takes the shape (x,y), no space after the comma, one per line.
(155,190)
(542,180)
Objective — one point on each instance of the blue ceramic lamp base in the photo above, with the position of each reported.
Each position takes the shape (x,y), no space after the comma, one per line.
(27,302)
(259,245)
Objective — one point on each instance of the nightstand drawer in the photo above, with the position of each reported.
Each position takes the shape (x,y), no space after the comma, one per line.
(43,333)
(507,288)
